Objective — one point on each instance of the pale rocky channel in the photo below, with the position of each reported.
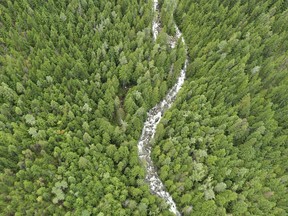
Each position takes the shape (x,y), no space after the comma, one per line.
(154,116)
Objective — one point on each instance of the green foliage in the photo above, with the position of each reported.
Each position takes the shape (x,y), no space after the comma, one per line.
(77,78)
(225,136)
(74,92)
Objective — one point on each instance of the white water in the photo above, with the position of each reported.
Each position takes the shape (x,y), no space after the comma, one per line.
(153,118)
(155,24)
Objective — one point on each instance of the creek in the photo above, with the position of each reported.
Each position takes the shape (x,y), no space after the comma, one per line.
(154,116)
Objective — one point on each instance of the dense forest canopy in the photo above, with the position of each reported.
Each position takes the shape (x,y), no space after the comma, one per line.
(222,148)
(76,81)
(77,78)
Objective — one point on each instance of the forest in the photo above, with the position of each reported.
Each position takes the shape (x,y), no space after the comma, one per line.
(78,77)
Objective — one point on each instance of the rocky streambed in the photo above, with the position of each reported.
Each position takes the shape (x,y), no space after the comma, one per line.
(154,116)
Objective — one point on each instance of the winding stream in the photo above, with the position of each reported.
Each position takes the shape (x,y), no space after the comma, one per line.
(154,116)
